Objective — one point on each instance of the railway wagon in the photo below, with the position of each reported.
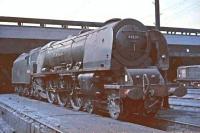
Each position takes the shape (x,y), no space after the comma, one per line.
(189,76)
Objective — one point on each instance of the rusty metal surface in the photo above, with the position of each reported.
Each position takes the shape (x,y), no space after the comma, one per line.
(68,120)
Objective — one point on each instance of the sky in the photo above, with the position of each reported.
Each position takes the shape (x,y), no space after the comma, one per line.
(174,13)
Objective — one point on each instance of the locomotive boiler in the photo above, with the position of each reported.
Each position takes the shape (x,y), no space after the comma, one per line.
(118,68)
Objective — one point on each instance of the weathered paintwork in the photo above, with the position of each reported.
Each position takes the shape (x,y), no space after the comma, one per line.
(82,66)
(23,67)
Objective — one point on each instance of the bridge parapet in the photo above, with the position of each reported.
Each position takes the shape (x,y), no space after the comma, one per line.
(22,34)
(18,21)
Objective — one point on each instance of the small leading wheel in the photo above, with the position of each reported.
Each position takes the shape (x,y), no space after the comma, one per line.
(114,107)
(151,106)
(75,100)
(62,98)
(51,97)
(89,106)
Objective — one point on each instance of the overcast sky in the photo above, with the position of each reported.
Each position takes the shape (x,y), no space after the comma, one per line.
(175,13)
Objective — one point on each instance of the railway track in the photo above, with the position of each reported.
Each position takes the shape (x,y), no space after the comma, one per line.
(179,120)
(190,102)
(178,126)
(165,124)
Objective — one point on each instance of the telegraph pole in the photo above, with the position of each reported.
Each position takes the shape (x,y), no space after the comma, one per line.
(157,14)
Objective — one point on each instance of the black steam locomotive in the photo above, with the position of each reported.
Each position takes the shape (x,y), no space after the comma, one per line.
(118,68)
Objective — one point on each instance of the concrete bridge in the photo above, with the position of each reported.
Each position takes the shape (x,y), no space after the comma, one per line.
(18,35)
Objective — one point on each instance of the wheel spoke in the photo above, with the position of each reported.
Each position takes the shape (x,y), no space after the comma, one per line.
(50,96)
(62,98)
(89,106)
(76,103)
(75,100)
(114,107)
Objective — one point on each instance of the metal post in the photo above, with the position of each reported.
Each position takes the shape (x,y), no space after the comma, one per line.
(157,14)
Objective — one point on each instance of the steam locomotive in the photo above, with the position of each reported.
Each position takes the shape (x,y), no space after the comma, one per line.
(118,68)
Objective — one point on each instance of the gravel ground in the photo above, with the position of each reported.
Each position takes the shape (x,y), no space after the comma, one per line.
(4,127)
(68,120)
